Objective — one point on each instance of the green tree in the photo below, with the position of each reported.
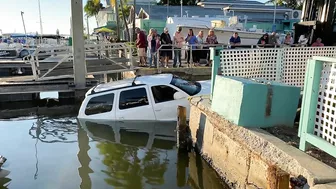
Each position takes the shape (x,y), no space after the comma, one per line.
(124,10)
(294,4)
(92,8)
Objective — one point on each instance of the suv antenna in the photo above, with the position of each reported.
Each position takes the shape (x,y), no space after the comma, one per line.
(133,82)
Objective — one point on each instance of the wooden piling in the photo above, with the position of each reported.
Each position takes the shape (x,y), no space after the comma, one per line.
(277,178)
(183,131)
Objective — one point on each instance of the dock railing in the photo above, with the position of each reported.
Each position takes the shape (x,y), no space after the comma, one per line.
(205,49)
(318,121)
(108,58)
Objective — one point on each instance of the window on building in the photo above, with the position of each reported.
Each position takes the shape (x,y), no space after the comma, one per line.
(133,98)
(163,93)
(100,104)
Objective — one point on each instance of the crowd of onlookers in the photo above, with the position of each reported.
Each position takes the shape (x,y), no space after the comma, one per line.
(273,39)
(148,45)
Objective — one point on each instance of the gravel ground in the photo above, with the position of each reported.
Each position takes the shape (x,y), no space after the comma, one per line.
(289,135)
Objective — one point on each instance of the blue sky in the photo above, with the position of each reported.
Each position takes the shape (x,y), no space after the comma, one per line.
(55,15)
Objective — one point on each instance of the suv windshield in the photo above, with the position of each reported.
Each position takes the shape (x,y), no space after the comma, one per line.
(190,87)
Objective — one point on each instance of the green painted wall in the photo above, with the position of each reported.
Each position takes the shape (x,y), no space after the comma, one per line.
(150,23)
(244,102)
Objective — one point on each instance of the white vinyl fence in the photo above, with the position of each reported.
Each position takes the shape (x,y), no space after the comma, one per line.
(286,65)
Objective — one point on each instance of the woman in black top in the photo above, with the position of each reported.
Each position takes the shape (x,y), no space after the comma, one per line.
(263,40)
(166,52)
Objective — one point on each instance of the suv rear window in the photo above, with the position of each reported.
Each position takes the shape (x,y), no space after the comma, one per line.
(190,87)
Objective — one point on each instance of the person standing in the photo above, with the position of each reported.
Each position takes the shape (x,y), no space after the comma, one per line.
(211,40)
(200,52)
(178,41)
(166,48)
(141,45)
(153,44)
(235,40)
(288,40)
(273,39)
(191,40)
(318,43)
(263,40)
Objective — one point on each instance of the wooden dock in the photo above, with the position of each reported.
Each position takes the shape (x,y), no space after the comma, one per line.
(27,85)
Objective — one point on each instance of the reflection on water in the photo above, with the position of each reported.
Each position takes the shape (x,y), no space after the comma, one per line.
(59,153)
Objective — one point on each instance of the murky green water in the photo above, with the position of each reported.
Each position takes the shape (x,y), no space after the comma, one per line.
(56,153)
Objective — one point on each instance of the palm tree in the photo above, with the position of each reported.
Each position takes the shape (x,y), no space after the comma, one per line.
(294,4)
(114,4)
(92,8)
(125,11)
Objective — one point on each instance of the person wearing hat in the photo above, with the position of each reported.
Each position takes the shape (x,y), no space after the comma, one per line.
(166,48)
(178,42)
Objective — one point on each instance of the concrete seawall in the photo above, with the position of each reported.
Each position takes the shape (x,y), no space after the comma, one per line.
(243,157)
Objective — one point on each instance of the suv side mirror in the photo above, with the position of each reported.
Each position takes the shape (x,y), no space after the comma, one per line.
(179,95)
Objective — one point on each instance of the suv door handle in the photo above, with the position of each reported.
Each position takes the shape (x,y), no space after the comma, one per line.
(121,118)
(157,110)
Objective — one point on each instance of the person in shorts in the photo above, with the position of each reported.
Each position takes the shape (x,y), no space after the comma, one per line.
(141,45)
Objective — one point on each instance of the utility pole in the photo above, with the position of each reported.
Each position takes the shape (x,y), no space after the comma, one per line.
(78,50)
(134,34)
(167,7)
(274,26)
(87,26)
(41,28)
(274,11)
(116,11)
(181,8)
(24,26)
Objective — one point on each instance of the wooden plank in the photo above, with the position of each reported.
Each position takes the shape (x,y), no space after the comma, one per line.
(17,78)
(109,71)
(104,68)
(57,72)
(20,89)
(49,65)
(69,71)
(15,65)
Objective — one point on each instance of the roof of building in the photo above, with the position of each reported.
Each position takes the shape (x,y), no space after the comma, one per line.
(158,12)
(230,1)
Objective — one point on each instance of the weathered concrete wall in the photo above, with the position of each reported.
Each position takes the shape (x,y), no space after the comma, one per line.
(325,186)
(202,175)
(243,156)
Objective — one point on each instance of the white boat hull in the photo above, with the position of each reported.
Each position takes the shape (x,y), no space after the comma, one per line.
(223,35)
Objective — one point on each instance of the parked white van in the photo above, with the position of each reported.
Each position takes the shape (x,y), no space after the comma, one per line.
(152,97)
